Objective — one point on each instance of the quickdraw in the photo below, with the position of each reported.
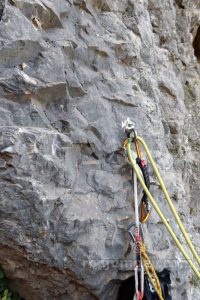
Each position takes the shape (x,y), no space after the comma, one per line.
(133,138)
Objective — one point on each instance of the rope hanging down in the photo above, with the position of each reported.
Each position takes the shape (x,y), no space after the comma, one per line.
(139,269)
(132,137)
(145,208)
(142,261)
(150,271)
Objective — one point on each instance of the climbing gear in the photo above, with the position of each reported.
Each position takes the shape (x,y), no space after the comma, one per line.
(131,138)
(145,207)
(150,271)
(127,287)
(148,267)
(142,260)
(129,127)
(144,204)
(138,268)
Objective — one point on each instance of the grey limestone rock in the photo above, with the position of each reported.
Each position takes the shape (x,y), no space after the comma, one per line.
(70,72)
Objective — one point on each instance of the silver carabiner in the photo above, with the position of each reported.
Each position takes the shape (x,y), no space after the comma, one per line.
(129,127)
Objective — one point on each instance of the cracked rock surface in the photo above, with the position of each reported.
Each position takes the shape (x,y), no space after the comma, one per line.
(70,72)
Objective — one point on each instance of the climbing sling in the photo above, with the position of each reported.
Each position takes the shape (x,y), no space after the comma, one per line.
(133,138)
(138,269)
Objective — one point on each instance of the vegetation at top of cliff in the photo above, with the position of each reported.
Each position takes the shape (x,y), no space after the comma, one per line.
(5,292)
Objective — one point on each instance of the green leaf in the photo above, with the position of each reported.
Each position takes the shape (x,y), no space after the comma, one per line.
(6,295)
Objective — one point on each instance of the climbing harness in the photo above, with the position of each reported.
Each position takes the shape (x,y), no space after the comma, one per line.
(128,126)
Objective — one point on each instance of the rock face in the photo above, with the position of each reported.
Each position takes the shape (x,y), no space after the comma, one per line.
(70,72)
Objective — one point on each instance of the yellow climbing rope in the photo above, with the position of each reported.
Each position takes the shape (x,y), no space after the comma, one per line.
(144,215)
(153,202)
(169,201)
(150,271)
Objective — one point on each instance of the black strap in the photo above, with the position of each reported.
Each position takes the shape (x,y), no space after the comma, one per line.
(146,176)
